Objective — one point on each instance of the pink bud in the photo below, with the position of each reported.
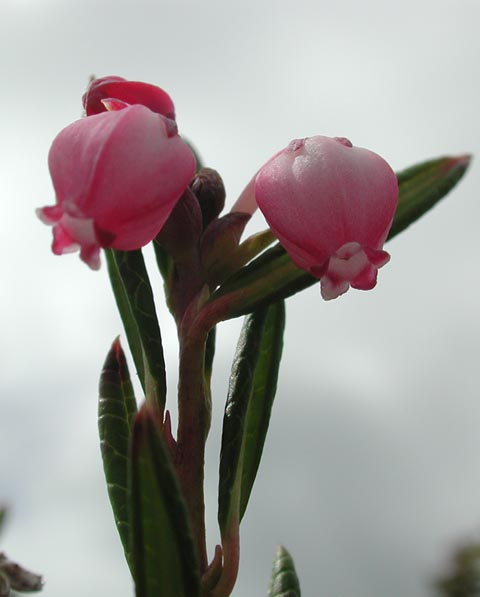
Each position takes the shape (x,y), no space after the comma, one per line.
(129,92)
(117,176)
(331,206)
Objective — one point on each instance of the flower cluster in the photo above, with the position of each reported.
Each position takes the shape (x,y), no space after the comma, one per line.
(119,172)
(123,177)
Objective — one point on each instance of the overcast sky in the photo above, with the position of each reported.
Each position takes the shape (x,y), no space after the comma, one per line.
(371,472)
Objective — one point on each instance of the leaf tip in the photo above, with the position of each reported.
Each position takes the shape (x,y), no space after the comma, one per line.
(115,359)
(116,345)
(460,162)
(140,422)
(145,422)
(284,579)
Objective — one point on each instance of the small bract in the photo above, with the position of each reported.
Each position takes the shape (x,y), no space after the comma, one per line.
(331,206)
(117,176)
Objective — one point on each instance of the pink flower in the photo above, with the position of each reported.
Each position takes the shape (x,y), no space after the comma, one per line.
(117,176)
(129,92)
(331,206)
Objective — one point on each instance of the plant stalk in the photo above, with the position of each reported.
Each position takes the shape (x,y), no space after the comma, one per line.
(194,415)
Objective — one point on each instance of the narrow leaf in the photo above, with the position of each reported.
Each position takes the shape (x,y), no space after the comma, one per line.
(423,185)
(164,559)
(3,514)
(284,581)
(272,276)
(116,409)
(261,399)
(134,296)
(247,413)
(126,315)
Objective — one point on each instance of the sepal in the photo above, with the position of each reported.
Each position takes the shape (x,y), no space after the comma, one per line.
(219,244)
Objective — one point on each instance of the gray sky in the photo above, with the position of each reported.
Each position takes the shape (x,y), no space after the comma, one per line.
(372,469)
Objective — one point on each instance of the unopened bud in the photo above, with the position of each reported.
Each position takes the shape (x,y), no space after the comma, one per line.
(210,192)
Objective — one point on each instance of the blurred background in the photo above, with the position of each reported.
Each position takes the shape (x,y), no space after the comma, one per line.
(371,473)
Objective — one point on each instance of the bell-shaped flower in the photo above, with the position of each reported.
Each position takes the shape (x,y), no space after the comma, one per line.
(331,206)
(117,176)
(128,92)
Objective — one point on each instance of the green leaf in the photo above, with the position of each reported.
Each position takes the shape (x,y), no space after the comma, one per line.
(284,581)
(251,393)
(126,315)
(164,559)
(423,185)
(116,409)
(3,514)
(135,302)
(272,276)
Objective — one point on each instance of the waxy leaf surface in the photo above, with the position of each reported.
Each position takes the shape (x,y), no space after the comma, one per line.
(251,393)
(284,581)
(164,560)
(423,185)
(116,409)
(135,302)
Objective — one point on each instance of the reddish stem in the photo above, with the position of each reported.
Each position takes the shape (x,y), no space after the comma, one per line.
(193,425)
